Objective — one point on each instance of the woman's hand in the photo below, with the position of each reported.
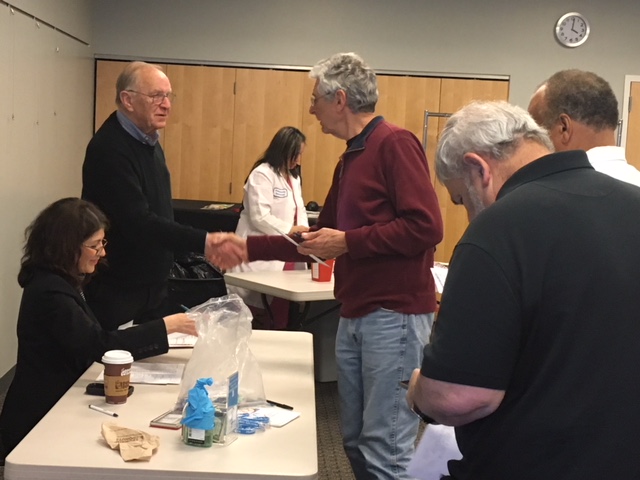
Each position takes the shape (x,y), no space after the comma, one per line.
(298,229)
(181,323)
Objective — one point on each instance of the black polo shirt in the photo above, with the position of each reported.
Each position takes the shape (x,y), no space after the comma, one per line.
(542,300)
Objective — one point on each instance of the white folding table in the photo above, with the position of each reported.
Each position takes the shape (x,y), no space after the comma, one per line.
(297,286)
(67,443)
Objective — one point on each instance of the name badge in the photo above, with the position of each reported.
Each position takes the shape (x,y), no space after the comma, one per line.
(280,192)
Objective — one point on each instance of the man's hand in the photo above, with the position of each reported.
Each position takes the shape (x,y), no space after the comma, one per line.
(225,250)
(323,243)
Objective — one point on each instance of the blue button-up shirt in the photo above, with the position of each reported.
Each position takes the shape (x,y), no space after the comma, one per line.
(135,132)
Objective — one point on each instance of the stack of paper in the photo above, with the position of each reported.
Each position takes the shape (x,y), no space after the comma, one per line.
(154,373)
(181,340)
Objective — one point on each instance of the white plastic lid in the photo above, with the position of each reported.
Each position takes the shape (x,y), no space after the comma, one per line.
(117,357)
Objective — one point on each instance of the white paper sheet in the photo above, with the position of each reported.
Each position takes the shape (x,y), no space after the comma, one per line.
(439,272)
(278,417)
(437,446)
(181,340)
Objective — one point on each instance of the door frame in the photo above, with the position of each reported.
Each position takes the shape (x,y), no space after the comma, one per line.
(628,80)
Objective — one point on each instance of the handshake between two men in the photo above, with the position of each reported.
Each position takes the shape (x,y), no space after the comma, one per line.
(226,250)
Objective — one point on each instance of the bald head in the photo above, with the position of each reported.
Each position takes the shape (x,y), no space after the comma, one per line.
(133,75)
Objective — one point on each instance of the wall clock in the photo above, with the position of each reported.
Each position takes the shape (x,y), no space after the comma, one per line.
(572,29)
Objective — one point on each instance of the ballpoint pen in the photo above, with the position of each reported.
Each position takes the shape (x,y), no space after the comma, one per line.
(281,405)
(102,410)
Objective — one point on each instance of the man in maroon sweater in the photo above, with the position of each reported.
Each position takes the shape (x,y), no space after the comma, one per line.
(381,221)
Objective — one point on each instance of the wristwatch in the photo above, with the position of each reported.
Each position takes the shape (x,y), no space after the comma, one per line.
(423,416)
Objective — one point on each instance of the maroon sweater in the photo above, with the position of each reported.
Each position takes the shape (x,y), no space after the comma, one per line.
(382,197)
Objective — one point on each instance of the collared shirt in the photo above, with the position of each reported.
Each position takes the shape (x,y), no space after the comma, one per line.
(132,129)
(611,161)
(358,141)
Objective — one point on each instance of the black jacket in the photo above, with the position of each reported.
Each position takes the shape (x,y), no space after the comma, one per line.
(58,339)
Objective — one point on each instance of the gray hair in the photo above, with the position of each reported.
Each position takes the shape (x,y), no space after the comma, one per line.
(128,79)
(348,72)
(495,129)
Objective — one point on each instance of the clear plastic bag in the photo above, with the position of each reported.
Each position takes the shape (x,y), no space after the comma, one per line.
(222,348)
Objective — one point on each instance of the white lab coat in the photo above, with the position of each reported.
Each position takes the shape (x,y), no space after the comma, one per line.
(270,204)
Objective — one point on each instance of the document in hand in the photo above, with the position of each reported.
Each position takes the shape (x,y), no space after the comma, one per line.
(439,272)
(437,446)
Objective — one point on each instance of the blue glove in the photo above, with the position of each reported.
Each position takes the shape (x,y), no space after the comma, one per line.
(200,412)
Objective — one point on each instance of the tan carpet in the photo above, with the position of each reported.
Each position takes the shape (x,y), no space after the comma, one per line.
(332,461)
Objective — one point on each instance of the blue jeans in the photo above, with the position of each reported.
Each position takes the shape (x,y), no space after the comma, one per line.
(373,354)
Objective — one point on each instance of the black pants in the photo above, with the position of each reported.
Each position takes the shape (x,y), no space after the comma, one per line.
(114,305)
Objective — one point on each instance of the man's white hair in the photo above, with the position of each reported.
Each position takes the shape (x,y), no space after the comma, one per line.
(495,129)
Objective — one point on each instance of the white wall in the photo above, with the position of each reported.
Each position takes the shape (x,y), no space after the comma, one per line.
(70,16)
(46,112)
(503,37)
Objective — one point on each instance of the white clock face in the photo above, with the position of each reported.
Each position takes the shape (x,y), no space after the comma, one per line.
(572,30)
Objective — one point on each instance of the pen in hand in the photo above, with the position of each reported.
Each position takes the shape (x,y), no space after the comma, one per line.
(102,410)
(281,405)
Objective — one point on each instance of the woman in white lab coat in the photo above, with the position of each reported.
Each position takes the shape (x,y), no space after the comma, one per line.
(273,204)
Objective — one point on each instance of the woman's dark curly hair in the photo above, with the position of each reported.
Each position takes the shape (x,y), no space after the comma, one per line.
(54,239)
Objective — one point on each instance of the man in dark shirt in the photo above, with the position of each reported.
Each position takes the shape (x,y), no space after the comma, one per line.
(125,174)
(534,354)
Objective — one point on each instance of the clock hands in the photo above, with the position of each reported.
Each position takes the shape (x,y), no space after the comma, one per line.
(573,24)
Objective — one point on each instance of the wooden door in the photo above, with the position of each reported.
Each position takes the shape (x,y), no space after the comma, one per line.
(403,101)
(265,101)
(455,94)
(199,134)
(633,127)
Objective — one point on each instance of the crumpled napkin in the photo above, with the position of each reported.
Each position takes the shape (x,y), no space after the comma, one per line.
(133,444)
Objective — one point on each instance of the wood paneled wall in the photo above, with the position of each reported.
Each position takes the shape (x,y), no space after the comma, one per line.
(199,136)
(224,118)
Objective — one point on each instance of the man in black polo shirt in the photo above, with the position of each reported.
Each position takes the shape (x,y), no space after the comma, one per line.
(535,350)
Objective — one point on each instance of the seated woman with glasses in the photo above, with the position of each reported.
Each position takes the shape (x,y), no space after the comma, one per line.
(58,335)
(273,205)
